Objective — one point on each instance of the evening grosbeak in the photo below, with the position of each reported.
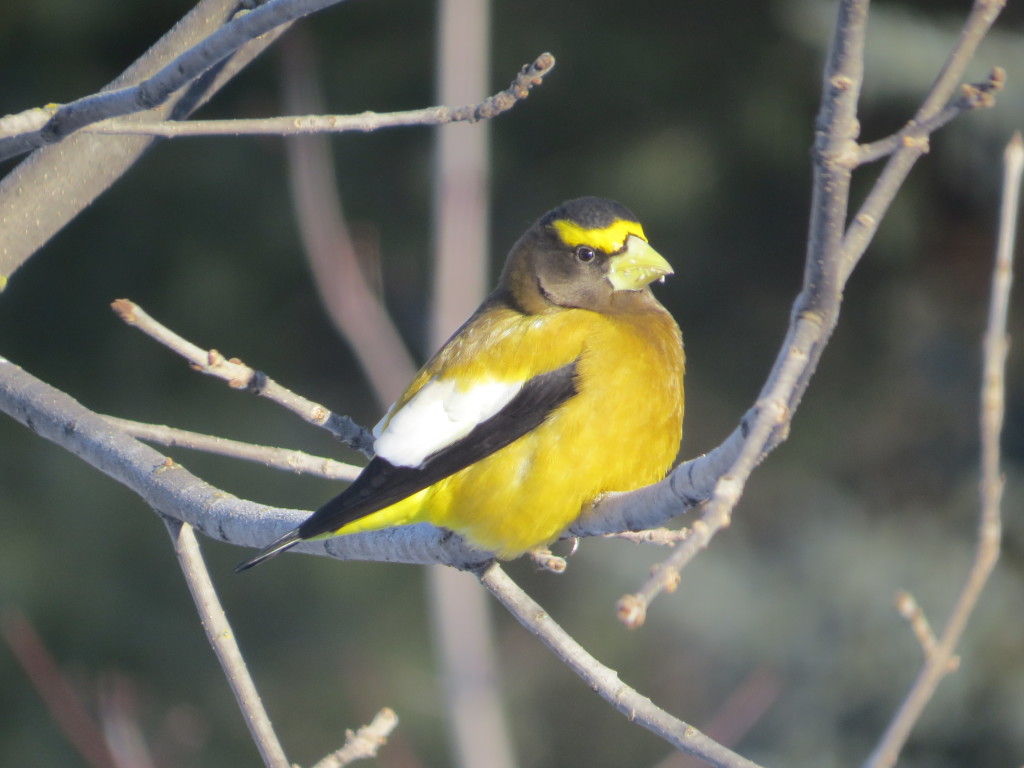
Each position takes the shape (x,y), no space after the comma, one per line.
(566,383)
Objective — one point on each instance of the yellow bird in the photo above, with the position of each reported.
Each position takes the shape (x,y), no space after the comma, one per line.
(566,383)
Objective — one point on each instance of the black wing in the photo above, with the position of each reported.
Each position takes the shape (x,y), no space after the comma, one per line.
(381,483)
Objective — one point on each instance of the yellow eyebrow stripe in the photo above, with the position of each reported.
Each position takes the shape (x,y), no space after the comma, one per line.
(609,239)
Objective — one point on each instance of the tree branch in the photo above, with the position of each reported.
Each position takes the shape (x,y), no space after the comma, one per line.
(529,76)
(52,186)
(178,494)
(831,257)
(364,743)
(268,455)
(865,224)
(156,89)
(938,663)
(604,680)
(973,96)
(240,376)
(222,638)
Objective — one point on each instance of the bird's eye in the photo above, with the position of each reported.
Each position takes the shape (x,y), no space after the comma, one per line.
(585,254)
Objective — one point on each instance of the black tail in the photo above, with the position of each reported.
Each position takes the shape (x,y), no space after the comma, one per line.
(287,541)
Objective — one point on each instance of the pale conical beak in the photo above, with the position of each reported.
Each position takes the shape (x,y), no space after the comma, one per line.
(637,266)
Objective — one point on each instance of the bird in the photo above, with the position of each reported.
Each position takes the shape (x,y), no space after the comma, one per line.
(564,385)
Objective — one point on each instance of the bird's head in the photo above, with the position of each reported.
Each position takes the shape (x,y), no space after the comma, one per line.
(589,253)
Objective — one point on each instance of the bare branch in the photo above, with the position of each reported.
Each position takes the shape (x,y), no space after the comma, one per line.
(222,638)
(364,743)
(831,256)
(865,224)
(973,96)
(919,624)
(155,90)
(604,680)
(268,455)
(940,662)
(52,186)
(177,493)
(529,76)
(240,376)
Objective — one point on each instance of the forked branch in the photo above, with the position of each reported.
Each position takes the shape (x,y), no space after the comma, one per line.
(940,661)
(833,252)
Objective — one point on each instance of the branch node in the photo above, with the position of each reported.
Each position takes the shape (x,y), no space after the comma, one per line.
(669,577)
(921,143)
(866,220)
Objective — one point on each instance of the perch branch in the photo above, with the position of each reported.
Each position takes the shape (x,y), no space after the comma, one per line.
(176,493)
(940,662)
(815,311)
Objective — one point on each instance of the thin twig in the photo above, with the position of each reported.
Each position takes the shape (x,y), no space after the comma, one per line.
(364,743)
(605,681)
(529,76)
(973,96)
(268,455)
(865,223)
(157,89)
(912,612)
(940,663)
(664,537)
(544,559)
(222,638)
(240,376)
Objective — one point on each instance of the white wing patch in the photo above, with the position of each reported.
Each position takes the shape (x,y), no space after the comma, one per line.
(437,416)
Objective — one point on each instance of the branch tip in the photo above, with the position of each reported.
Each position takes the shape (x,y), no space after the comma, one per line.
(545,560)
(632,611)
(125,309)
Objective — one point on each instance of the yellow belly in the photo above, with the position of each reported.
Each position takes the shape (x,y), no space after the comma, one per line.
(621,431)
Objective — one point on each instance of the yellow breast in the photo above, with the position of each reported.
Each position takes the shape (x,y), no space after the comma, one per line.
(620,432)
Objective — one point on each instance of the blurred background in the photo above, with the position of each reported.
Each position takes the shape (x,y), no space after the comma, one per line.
(699,117)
